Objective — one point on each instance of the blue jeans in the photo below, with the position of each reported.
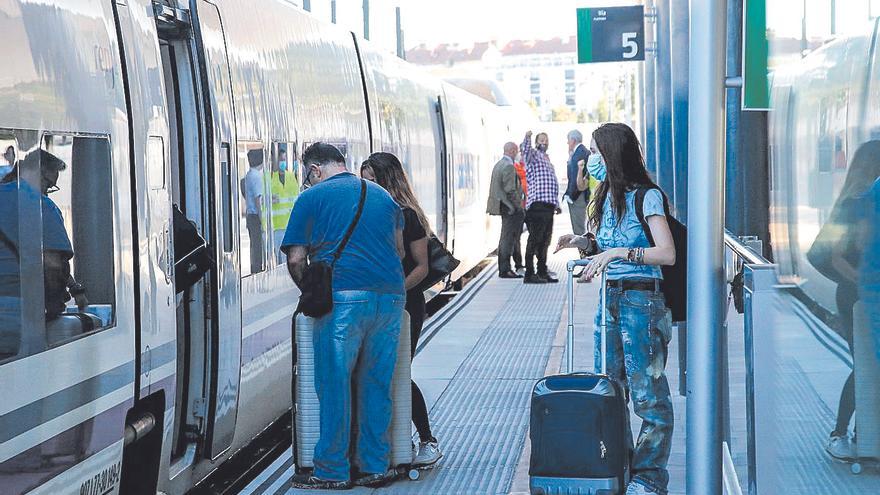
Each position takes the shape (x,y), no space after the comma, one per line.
(355,351)
(639,330)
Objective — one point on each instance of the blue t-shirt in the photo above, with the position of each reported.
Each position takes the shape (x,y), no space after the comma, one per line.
(320,218)
(253,189)
(869,272)
(629,234)
(54,234)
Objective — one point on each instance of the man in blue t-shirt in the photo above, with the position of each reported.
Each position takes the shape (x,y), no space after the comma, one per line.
(26,186)
(357,341)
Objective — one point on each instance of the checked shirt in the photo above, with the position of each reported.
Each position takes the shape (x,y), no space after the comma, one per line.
(540,175)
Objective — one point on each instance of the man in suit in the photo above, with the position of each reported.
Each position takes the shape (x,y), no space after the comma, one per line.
(577,200)
(506,200)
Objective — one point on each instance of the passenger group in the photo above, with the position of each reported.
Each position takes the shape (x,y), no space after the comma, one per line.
(374,236)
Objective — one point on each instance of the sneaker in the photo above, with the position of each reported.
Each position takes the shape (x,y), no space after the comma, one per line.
(841,447)
(636,488)
(376,480)
(429,454)
(311,482)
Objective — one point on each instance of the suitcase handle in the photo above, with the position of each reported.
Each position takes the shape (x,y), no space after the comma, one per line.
(569,362)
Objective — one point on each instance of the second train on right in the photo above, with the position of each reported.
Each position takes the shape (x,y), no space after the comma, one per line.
(824,152)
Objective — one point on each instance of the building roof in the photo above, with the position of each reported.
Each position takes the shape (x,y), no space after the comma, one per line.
(452,53)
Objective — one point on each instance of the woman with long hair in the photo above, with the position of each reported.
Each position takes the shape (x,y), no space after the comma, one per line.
(385,169)
(846,248)
(638,322)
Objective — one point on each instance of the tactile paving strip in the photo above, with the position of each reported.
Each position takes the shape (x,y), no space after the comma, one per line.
(482,417)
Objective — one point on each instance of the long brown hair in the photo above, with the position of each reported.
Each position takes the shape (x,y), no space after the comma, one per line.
(625,168)
(390,175)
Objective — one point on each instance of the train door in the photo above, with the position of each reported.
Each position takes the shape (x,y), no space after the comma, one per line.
(187,185)
(445,225)
(225,358)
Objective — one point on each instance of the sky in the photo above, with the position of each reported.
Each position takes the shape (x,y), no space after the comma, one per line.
(465,21)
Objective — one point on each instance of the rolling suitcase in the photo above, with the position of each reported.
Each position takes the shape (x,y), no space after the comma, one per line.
(306,410)
(578,426)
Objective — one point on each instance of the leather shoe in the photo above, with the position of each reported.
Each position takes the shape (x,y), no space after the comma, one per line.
(550,279)
(531,278)
(509,274)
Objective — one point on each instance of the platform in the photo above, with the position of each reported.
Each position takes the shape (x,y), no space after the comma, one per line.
(480,356)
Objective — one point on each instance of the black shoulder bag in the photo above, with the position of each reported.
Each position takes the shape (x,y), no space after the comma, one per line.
(674,283)
(316,299)
(440,263)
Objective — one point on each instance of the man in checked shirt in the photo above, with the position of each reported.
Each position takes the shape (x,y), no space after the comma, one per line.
(541,204)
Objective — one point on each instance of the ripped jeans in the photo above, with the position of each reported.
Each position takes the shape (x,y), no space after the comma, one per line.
(639,330)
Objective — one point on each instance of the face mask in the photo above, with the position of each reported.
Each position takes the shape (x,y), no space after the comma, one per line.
(596,167)
(282,166)
(542,148)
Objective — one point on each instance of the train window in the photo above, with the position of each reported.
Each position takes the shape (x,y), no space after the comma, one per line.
(284,185)
(156,163)
(57,275)
(9,149)
(253,181)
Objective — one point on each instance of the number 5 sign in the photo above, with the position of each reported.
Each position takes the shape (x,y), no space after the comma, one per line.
(611,34)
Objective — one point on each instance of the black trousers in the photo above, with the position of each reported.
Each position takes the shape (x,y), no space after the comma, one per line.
(539,220)
(508,243)
(415,306)
(255,233)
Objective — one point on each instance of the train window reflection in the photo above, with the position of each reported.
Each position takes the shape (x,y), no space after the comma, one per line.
(56,256)
(253,180)
(9,150)
(284,187)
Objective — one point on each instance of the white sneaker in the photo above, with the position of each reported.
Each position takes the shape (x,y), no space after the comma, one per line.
(429,453)
(841,447)
(637,489)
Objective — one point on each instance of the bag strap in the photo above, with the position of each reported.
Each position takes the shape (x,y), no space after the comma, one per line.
(8,243)
(640,209)
(351,227)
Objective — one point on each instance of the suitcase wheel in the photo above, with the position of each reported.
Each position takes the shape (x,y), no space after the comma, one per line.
(413,474)
(856,468)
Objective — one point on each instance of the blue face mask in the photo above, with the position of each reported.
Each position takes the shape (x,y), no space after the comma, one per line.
(596,167)
(282,166)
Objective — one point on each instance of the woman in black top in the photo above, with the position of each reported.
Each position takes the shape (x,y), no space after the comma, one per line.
(385,169)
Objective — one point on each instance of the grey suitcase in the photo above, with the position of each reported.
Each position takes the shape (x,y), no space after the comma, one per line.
(578,426)
(306,410)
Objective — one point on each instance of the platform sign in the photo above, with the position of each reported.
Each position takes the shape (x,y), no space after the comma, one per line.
(611,34)
(756,84)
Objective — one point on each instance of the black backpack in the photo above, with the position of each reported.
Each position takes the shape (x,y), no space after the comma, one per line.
(674,284)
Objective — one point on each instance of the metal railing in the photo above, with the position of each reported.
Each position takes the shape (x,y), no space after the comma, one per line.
(759,285)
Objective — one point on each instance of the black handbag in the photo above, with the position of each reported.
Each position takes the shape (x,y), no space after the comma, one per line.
(316,299)
(440,263)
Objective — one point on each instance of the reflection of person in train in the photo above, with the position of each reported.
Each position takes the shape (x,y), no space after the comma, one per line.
(253,196)
(285,189)
(32,180)
(837,253)
(869,276)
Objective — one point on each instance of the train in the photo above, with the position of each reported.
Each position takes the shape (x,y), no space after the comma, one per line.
(154,105)
(825,108)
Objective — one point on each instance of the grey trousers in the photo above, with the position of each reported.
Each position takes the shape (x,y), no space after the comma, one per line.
(577,211)
(511,230)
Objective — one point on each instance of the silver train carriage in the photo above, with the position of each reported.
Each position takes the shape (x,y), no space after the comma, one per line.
(826,107)
(156,104)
